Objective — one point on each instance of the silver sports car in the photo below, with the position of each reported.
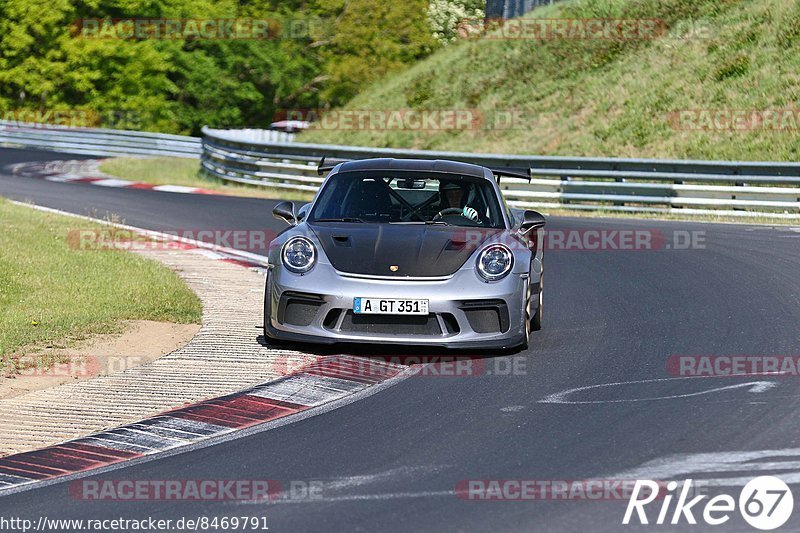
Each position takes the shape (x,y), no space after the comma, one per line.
(402,251)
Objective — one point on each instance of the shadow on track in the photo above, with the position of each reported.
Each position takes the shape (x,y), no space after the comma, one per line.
(414,354)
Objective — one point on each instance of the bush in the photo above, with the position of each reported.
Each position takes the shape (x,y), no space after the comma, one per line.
(447,16)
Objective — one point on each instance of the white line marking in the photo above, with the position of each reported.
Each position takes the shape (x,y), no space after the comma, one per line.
(363,497)
(561,397)
(208,253)
(304,390)
(402,472)
(113,183)
(8,479)
(690,465)
(153,439)
(112,444)
(64,177)
(175,188)
(185,425)
(246,256)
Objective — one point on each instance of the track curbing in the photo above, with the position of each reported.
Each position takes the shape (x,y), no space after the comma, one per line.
(88,171)
(326,381)
(313,389)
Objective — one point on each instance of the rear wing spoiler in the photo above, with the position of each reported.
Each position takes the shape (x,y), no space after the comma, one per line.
(326,165)
(522,173)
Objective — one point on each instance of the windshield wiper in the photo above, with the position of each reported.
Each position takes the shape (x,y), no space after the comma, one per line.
(343,219)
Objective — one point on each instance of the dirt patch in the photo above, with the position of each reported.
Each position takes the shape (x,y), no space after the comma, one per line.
(142,342)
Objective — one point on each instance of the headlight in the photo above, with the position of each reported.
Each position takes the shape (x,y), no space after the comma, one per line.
(299,254)
(495,262)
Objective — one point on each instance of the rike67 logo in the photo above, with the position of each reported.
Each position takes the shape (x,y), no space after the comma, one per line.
(765,503)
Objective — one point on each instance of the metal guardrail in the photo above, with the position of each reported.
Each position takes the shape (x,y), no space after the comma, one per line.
(506,9)
(253,135)
(100,141)
(270,158)
(734,188)
(96,141)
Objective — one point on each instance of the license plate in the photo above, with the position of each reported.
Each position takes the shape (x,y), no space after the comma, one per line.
(383,306)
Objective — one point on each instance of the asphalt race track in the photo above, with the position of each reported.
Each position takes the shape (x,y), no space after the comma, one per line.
(392,461)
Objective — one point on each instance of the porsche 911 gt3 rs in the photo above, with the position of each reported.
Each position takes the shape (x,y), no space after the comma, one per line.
(412,252)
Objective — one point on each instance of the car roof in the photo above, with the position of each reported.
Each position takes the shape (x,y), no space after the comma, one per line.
(422,165)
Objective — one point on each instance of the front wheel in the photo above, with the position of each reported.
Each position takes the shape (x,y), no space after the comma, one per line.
(536,321)
(267,309)
(527,320)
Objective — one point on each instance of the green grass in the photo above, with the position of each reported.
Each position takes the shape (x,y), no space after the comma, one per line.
(182,171)
(604,97)
(53,295)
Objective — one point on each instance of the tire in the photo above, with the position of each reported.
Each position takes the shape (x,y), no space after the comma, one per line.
(267,309)
(523,345)
(536,320)
(526,339)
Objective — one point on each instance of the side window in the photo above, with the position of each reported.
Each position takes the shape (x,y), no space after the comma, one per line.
(332,202)
(508,210)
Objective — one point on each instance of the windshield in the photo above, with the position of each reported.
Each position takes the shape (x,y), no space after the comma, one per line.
(408,198)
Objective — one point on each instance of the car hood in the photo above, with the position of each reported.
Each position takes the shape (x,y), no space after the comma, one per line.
(415,250)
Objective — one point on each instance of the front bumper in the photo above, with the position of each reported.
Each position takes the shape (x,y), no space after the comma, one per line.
(465,312)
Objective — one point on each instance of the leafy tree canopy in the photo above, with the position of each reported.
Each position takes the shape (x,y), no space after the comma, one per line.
(318,53)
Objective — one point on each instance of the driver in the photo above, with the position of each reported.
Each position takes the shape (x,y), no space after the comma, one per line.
(452,196)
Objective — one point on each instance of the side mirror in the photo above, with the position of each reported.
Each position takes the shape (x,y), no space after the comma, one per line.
(531,220)
(285,211)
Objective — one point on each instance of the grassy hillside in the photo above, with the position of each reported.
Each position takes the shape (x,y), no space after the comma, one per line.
(610,97)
